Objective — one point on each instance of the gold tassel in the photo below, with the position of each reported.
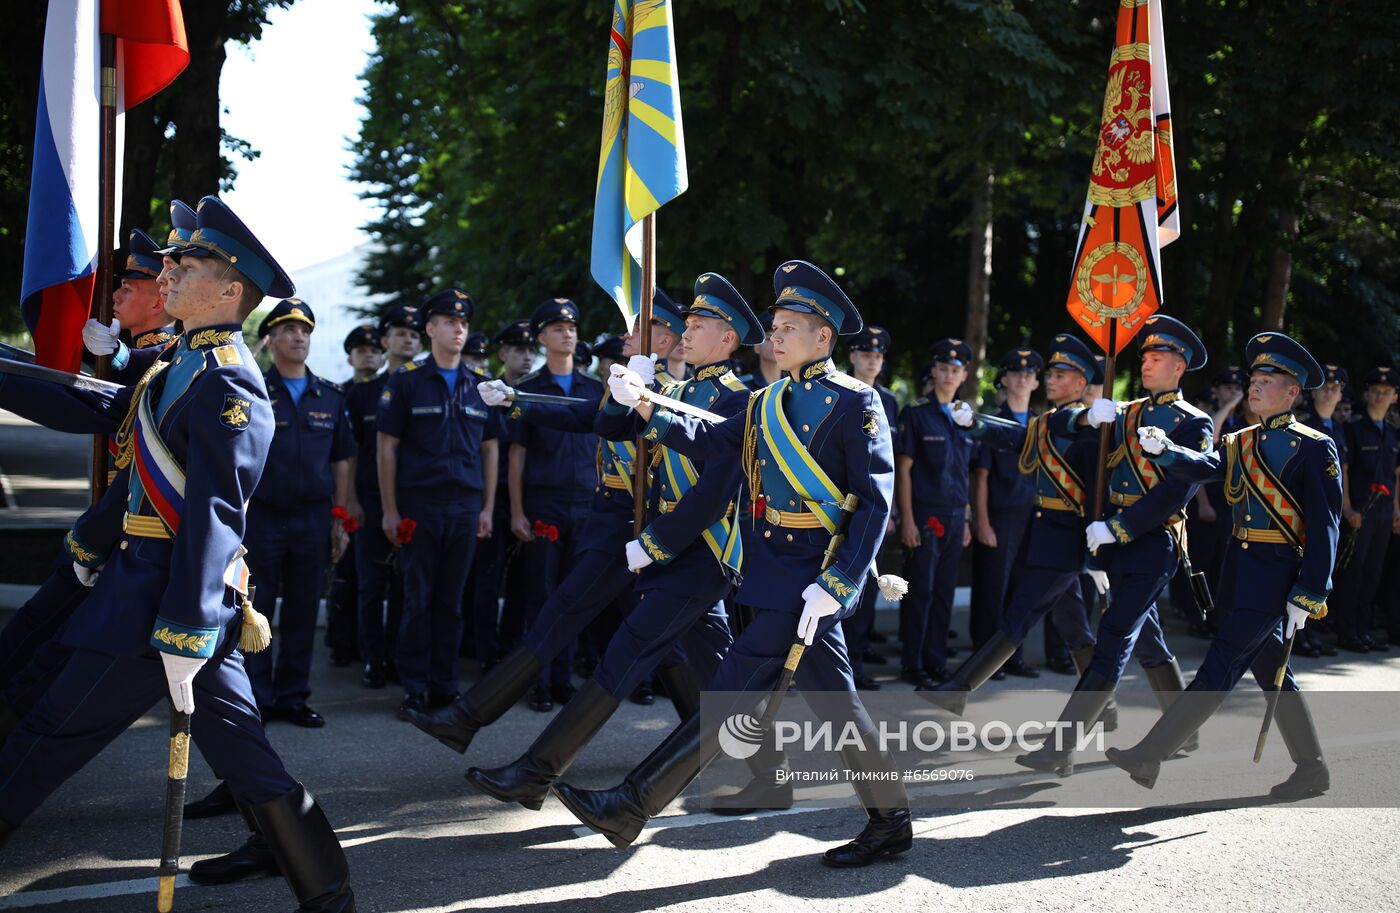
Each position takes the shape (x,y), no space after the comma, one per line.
(256,635)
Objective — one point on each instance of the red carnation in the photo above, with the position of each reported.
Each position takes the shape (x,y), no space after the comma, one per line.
(340,513)
(405,530)
(539,529)
(759,507)
(552,533)
(937,526)
(350,525)
(1379,488)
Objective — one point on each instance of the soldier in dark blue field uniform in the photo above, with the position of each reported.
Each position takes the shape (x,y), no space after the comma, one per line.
(474,352)
(163,617)
(552,477)
(868,350)
(1139,545)
(437,468)
(1003,499)
(379,582)
(1283,483)
(599,578)
(1372,478)
(686,557)
(808,443)
(291,539)
(933,462)
(1321,415)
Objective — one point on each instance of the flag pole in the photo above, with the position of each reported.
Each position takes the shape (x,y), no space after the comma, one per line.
(640,465)
(106,234)
(1106,429)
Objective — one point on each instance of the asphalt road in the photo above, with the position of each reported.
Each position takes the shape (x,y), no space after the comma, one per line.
(418,840)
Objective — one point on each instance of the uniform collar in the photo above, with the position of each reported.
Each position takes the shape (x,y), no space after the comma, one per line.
(153,337)
(712,371)
(1282,420)
(818,368)
(275,379)
(211,337)
(1170,396)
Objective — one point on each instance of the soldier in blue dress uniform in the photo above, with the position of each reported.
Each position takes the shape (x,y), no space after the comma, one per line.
(1283,484)
(1139,544)
(163,618)
(806,443)
(437,465)
(552,477)
(292,541)
(686,557)
(378,581)
(598,580)
(1372,476)
(932,461)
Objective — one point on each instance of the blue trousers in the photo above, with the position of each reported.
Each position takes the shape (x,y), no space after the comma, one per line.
(97,697)
(1254,585)
(857,626)
(434,564)
(933,576)
(599,578)
(491,627)
(548,564)
(991,571)
(39,619)
(1132,611)
(289,553)
(378,583)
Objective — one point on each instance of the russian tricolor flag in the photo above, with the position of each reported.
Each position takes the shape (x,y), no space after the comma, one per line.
(60,250)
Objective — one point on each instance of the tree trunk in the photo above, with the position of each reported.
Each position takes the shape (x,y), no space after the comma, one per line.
(1280,274)
(145,135)
(979,281)
(198,158)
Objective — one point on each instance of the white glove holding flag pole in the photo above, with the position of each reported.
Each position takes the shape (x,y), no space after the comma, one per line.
(963,415)
(1152,440)
(87,576)
(819,604)
(637,557)
(1097,534)
(495,392)
(645,368)
(101,339)
(1100,579)
(1297,617)
(1103,411)
(179,675)
(626,386)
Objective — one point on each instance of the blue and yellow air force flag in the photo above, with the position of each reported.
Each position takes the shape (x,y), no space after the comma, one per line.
(642,162)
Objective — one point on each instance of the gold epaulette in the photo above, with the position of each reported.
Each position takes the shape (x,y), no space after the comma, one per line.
(842,379)
(1306,431)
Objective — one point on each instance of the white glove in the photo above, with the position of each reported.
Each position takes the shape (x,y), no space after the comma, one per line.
(644,366)
(819,604)
(963,415)
(495,392)
(626,386)
(179,675)
(1297,617)
(1152,440)
(87,576)
(99,339)
(1097,534)
(637,557)
(1100,579)
(1103,411)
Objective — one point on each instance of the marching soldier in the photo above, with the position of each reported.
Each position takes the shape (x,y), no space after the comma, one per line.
(685,558)
(1373,483)
(1138,546)
(552,475)
(597,581)
(1283,483)
(932,462)
(291,536)
(809,444)
(437,485)
(379,580)
(163,616)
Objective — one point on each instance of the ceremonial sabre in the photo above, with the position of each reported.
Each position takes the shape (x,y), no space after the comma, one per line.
(546,398)
(174,809)
(1273,698)
(54,376)
(675,405)
(848,507)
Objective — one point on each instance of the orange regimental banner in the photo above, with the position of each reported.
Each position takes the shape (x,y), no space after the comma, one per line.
(1131,211)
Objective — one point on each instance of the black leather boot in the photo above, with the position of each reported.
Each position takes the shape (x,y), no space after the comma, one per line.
(1091,695)
(683,687)
(890,830)
(485,701)
(770,789)
(218,802)
(1082,659)
(254,857)
(527,779)
(1310,777)
(1186,715)
(1167,684)
(952,695)
(620,813)
(307,851)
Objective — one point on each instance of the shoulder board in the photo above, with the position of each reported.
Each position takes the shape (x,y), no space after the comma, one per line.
(921,401)
(481,373)
(1186,408)
(1131,402)
(334,385)
(528,377)
(1302,430)
(227,355)
(732,381)
(406,367)
(841,379)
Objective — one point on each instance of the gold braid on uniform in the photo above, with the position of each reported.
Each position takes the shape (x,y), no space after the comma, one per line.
(1234,490)
(1029,460)
(750,454)
(126,442)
